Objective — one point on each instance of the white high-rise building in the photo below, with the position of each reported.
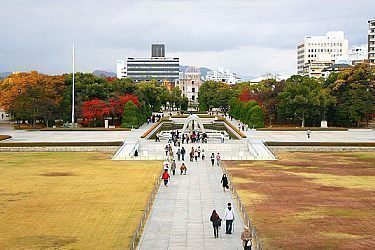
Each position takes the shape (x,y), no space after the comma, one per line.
(371,41)
(223,75)
(333,46)
(357,54)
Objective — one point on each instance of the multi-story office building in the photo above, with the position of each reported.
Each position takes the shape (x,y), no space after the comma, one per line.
(333,44)
(316,68)
(157,67)
(371,41)
(189,83)
(357,54)
(223,75)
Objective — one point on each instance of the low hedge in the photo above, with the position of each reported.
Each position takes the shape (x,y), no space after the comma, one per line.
(199,115)
(302,129)
(231,125)
(85,129)
(322,144)
(5,137)
(154,126)
(59,144)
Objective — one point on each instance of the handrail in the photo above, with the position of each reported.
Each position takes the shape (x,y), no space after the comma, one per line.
(119,150)
(154,126)
(269,151)
(142,222)
(229,124)
(257,241)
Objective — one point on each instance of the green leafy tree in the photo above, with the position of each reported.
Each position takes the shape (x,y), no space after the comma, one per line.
(256,118)
(131,117)
(214,95)
(303,97)
(353,90)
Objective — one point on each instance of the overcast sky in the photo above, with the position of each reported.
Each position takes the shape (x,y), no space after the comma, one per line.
(251,37)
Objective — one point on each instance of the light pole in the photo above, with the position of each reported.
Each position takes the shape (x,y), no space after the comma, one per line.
(73,91)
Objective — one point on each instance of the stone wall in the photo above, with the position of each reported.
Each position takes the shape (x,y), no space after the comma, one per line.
(111,149)
(320,149)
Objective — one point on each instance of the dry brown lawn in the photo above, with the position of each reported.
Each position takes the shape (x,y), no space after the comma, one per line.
(310,200)
(71,200)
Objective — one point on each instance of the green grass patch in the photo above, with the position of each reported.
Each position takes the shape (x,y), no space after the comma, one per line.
(360,182)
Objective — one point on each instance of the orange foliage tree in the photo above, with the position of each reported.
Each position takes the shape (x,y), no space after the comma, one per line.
(32,96)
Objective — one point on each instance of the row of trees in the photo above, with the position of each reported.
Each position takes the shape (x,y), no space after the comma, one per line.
(248,112)
(344,99)
(34,96)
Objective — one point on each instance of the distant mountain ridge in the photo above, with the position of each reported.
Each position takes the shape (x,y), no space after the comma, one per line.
(4,74)
(103,73)
(203,70)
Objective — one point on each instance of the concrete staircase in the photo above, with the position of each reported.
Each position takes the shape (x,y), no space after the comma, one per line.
(260,150)
(230,150)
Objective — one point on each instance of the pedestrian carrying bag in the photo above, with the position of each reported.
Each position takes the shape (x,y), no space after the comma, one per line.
(248,243)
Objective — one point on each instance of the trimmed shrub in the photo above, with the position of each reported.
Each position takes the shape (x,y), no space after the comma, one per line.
(256,117)
(131,116)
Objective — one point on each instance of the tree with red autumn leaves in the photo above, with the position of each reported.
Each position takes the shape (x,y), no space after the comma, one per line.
(94,111)
(117,104)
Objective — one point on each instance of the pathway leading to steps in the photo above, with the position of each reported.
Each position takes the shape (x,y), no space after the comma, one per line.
(181,212)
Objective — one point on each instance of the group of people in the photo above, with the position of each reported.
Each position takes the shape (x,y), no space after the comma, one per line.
(170,167)
(194,137)
(215,219)
(154,118)
(197,153)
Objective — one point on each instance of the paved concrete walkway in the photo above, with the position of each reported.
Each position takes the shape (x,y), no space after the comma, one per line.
(353,135)
(181,212)
(72,136)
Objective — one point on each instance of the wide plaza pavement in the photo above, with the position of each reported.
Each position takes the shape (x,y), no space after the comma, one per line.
(180,217)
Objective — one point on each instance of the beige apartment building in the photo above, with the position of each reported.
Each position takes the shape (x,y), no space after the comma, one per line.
(189,83)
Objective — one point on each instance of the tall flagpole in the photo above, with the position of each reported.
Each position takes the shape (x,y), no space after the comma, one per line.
(73,94)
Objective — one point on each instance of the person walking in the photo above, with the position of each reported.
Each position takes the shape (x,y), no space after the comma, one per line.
(222,137)
(173,167)
(183,152)
(196,154)
(203,154)
(192,154)
(246,238)
(166,148)
(178,154)
(165,178)
(224,181)
(216,223)
(218,159)
(212,159)
(229,217)
(308,134)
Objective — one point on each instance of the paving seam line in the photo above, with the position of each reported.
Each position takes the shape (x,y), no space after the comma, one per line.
(243,214)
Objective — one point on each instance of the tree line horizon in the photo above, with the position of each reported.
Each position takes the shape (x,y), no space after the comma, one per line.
(343,99)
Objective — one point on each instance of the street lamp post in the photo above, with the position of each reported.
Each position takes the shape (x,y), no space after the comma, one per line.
(73,94)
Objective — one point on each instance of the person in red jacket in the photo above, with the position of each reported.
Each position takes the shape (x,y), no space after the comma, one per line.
(165,177)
